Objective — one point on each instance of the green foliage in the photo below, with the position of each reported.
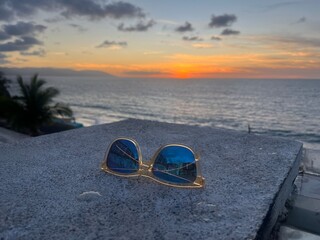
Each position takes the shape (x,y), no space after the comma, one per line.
(34,107)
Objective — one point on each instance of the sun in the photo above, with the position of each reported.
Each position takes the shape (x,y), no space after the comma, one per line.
(182,74)
(182,71)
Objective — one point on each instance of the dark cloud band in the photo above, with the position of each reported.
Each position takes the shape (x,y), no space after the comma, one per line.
(23,28)
(225,20)
(4,36)
(215,38)
(23,44)
(21,36)
(78,27)
(227,32)
(139,27)
(39,53)
(108,44)
(92,9)
(194,38)
(187,27)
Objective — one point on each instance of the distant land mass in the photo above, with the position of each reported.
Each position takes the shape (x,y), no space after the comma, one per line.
(57,72)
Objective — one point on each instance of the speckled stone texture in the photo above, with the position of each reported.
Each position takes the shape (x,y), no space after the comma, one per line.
(52,187)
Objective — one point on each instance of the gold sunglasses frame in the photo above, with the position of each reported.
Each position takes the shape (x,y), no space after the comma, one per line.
(145,169)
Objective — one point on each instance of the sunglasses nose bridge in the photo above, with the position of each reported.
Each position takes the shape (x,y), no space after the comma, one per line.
(145,167)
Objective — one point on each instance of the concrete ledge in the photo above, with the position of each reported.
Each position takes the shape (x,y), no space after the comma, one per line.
(9,136)
(51,186)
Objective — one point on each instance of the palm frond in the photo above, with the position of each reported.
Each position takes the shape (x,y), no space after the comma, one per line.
(4,85)
(62,110)
(49,93)
(23,88)
(36,84)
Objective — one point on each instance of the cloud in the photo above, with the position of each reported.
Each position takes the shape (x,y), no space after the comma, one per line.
(187,27)
(20,60)
(194,38)
(60,53)
(39,53)
(54,19)
(3,58)
(295,42)
(5,13)
(143,73)
(4,36)
(112,44)
(92,9)
(22,8)
(225,20)
(283,43)
(22,36)
(78,27)
(228,32)
(216,38)
(23,29)
(302,20)
(23,44)
(202,45)
(280,5)
(166,21)
(139,27)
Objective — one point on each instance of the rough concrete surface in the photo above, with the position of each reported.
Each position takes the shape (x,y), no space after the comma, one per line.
(52,187)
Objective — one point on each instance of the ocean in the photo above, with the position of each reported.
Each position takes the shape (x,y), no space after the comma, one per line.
(286,108)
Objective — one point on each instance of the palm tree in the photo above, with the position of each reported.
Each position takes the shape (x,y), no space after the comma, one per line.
(4,82)
(4,93)
(34,107)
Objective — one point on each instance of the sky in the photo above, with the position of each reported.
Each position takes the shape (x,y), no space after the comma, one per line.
(164,39)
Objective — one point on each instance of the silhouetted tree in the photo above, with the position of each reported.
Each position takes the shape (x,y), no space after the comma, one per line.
(34,107)
(4,94)
(4,85)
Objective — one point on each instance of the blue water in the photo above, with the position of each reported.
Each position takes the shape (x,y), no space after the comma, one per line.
(289,108)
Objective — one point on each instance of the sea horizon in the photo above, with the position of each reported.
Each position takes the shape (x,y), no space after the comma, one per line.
(278,107)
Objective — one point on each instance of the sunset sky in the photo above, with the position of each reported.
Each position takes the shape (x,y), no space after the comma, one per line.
(167,38)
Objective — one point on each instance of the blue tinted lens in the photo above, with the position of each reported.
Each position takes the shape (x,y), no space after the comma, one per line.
(175,164)
(123,157)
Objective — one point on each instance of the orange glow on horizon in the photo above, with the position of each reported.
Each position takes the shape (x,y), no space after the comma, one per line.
(183,66)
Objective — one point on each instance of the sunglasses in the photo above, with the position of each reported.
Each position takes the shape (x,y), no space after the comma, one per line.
(173,165)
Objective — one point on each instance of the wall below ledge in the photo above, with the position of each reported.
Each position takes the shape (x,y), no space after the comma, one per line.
(52,187)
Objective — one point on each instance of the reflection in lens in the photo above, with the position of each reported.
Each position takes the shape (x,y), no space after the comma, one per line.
(175,164)
(123,157)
